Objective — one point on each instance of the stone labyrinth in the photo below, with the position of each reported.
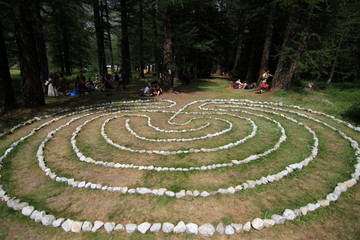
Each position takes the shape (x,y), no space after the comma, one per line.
(209,167)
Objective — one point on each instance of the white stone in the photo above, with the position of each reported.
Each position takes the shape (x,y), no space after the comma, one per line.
(220,228)
(143,227)
(303,210)
(196,193)
(47,220)
(130,228)
(289,214)
(109,226)
(278,219)
(97,226)
(268,223)
(26,211)
(237,227)
(324,203)
(257,223)
(39,216)
(67,225)
(58,222)
(119,228)
(167,227)
(204,194)
(76,227)
(87,226)
(143,191)
(350,183)
(169,193)
(207,230)
(180,227)
(20,206)
(161,191)
(192,228)
(180,194)
(229,230)
(247,227)
(155,227)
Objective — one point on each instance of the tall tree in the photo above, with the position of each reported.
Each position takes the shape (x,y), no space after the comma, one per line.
(7,97)
(99,31)
(125,52)
(168,53)
(268,39)
(141,40)
(32,92)
(109,36)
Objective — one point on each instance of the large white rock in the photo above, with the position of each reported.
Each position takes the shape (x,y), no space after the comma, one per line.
(26,211)
(20,206)
(229,230)
(97,226)
(47,220)
(130,228)
(76,227)
(268,223)
(67,225)
(155,227)
(143,191)
(220,228)
(207,230)
(180,194)
(289,214)
(109,226)
(180,227)
(119,228)
(278,219)
(87,226)
(257,223)
(192,228)
(167,227)
(237,227)
(143,227)
(247,227)
(58,222)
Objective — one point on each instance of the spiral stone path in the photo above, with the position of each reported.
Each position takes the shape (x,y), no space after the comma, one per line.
(158,139)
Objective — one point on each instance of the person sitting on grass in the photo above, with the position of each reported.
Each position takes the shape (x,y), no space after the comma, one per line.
(157,90)
(147,90)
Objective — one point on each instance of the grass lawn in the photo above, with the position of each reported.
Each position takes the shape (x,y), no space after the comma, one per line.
(128,127)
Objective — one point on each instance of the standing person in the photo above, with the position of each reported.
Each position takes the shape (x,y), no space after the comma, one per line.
(80,80)
(264,76)
(52,92)
(107,84)
(62,85)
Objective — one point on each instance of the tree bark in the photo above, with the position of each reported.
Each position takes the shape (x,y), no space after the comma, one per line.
(109,37)
(155,45)
(287,65)
(236,67)
(7,97)
(141,42)
(32,92)
(98,21)
(251,65)
(268,40)
(336,57)
(125,52)
(167,83)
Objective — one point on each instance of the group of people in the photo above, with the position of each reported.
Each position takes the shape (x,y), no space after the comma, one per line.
(150,91)
(263,83)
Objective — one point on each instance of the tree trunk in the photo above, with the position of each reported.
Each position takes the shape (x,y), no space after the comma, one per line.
(7,97)
(141,43)
(336,57)
(281,76)
(268,39)
(252,61)
(168,54)
(155,46)
(32,92)
(125,52)
(288,65)
(109,37)
(99,39)
(236,67)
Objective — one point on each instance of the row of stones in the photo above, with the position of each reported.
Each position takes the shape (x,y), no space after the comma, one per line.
(288,214)
(163,191)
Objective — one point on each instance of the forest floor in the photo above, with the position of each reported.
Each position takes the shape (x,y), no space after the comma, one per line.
(334,163)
